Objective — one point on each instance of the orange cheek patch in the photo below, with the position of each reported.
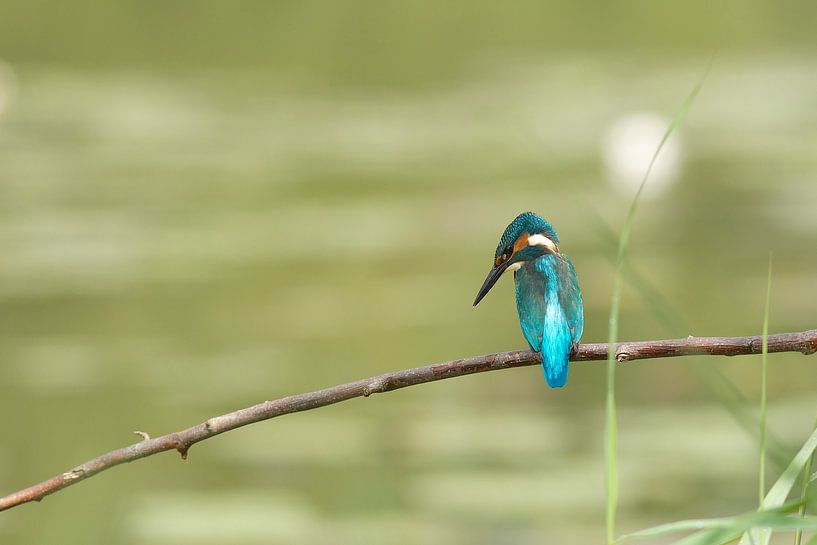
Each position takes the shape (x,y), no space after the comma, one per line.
(521,242)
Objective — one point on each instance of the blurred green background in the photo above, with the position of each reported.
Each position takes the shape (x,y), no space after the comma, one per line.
(205,205)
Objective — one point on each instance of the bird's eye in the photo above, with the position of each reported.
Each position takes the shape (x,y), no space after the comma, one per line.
(506,254)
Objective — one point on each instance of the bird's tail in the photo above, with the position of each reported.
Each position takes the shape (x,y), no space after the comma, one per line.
(556,352)
(555,373)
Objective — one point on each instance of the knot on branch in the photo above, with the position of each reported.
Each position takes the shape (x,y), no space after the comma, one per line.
(622,356)
(75,473)
(374,387)
(181,446)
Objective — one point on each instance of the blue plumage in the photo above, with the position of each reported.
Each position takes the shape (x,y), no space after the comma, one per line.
(548,297)
(549,304)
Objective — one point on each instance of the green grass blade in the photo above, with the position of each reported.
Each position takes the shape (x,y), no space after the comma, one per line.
(611,432)
(718,536)
(764,364)
(798,537)
(717,530)
(671,320)
(683,526)
(780,490)
(611,453)
(761,537)
(756,527)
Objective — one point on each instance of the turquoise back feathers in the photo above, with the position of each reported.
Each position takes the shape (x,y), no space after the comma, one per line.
(548,297)
(549,303)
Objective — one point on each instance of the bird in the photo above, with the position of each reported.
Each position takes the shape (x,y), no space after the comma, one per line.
(548,296)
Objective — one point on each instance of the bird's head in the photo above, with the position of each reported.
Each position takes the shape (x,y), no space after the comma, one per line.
(527,237)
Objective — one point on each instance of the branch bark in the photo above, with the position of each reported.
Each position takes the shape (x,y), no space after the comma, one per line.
(181,441)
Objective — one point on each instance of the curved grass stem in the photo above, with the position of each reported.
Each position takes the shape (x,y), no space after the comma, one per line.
(611,432)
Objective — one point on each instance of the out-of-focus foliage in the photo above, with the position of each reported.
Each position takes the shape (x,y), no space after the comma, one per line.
(204,205)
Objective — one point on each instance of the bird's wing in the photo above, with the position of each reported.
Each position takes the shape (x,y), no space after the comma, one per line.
(570,297)
(530,304)
(557,336)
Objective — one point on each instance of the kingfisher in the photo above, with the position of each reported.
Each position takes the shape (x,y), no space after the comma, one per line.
(548,297)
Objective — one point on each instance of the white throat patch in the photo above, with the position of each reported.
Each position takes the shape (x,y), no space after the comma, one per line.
(515,267)
(541,240)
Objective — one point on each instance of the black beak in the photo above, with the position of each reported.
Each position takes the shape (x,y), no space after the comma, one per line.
(493,276)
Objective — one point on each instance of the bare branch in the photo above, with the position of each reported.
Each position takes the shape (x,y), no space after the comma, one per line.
(181,441)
